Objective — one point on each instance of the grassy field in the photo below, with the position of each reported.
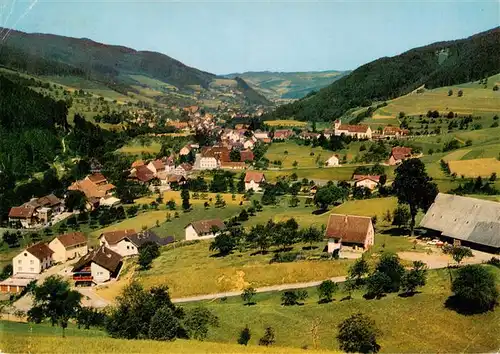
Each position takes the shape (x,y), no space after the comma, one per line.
(476,100)
(288,152)
(43,338)
(343,173)
(176,196)
(477,167)
(414,324)
(135,148)
(285,123)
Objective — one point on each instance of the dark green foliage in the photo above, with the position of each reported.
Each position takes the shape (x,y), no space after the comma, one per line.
(386,78)
(6,271)
(269,337)
(248,295)
(401,216)
(474,290)
(164,325)
(252,96)
(358,270)
(458,252)
(245,336)
(475,186)
(223,243)
(326,290)
(390,265)
(377,285)
(198,321)
(414,187)
(414,278)
(285,257)
(54,300)
(89,317)
(235,155)
(11,238)
(311,235)
(358,334)
(185,200)
(147,253)
(328,195)
(293,297)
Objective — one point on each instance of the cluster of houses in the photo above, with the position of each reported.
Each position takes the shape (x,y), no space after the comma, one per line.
(98,191)
(93,266)
(38,212)
(164,171)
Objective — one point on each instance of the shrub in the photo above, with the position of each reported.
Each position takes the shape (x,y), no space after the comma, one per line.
(358,334)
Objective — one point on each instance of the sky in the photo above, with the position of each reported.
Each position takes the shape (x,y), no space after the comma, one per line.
(235,36)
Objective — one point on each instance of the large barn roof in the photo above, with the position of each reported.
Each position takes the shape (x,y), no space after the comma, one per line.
(464,218)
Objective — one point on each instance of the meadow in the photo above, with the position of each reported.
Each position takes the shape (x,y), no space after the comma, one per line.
(288,152)
(285,123)
(43,338)
(136,148)
(414,324)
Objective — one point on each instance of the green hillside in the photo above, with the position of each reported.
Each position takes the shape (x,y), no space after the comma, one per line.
(436,65)
(288,85)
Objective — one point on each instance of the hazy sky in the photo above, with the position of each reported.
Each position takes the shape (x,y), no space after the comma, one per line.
(235,36)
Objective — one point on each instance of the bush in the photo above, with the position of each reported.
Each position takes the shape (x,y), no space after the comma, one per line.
(358,334)
(164,325)
(285,257)
(269,337)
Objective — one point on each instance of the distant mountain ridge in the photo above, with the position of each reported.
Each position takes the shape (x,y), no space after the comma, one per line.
(435,65)
(288,85)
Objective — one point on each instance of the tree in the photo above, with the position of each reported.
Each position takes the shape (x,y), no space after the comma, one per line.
(327,195)
(54,300)
(390,265)
(292,297)
(219,201)
(326,290)
(75,200)
(358,334)
(171,204)
(450,92)
(460,93)
(243,215)
(147,252)
(269,337)
(223,243)
(235,155)
(414,278)
(474,290)
(90,317)
(245,336)
(459,253)
(493,177)
(185,199)
(311,235)
(293,201)
(495,88)
(198,321)
(414,187)
(11,238)
(377,285)
(248,295)
(359,270)
(295,164)
(164,325)
(401,216)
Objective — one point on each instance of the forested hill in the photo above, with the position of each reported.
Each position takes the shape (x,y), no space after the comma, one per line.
(57,55)
(252,96)
(435,65)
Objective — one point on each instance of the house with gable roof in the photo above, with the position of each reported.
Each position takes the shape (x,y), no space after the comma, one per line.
(68,246)
(203,229)
(254,180)
(349,231)
(97,266)
(33,260)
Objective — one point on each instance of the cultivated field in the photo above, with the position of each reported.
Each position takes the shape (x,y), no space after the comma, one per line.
(474,168)
(285,123)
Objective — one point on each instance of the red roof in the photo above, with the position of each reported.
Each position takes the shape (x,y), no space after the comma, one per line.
(22,212)
(72,239)
(257,177)
(348,228)
(40,251)
(158,165)
(97,178)
(359,128)
(186,166)
(373,178)
(143,174)
(113,237)
(246,155)
(401,152)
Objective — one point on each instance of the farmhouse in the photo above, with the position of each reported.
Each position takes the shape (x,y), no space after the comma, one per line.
(68,246)
(333,161)
(183,169)
(34,259)
(142,174)
(358,131)
(94,186)
(203,229)
(253,180)
(36,212)
(369,181)
(308,135)
(97,266)
(349,231)
(399,154)
(127,242)
(467,221)
(24,214)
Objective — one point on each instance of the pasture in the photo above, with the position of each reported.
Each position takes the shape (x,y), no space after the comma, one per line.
(477,167)
(136,148)
(285,123)
(288,152)
(419,323)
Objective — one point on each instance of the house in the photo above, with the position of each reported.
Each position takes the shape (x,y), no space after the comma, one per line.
(137,163)
(24,214)
(246,155)
(390,132)
(156,166)
(185,150)
(359,131)
(17,283)
(399,154)
(253,180)
(127,242)
(142,174)
(68,246)
(283,134)
(249,143)
(349,231)
(465,221)
(97,266)
(34,259)
(369,181)
(333,161)
(210,157)
(36,212)
(309,135)
(203,229)
(93,186)
(183,169)
(260,135)
(176,179)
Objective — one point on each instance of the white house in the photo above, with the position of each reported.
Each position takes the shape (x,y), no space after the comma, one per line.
(97,266)
(156,166)
(367,181)
(128,242)
(349,231)
(359,131)
(261,135)
(34,259)
(68,246)
(253,180)
(203,229)
(249,143)
(333,161)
